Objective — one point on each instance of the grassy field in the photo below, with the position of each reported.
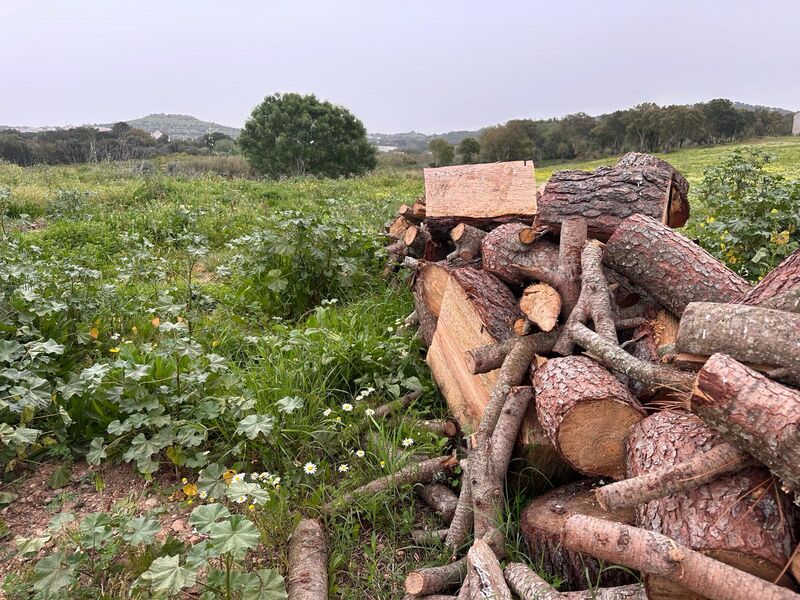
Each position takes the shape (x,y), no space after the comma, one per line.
(221,343)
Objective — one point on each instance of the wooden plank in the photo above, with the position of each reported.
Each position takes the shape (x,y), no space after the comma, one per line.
(481,191)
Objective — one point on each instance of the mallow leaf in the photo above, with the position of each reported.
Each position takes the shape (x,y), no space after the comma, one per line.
(167,575)
(206,515)
(235,536)
(253,425)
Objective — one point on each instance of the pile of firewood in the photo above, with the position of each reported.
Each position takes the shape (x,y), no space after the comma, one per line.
(578,330)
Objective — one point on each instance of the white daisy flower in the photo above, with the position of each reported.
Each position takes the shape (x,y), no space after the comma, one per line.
(408,442)
(360,453)
(203,494)
(237,478)
(326,412)
(369,412)
(241,500)
(310,468)
(343,468)
(347,407)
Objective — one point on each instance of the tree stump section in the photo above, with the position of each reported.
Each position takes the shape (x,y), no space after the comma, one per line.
(671,268)
(783,278)
(738,518)
(541,523)
(637,184)
(586,413)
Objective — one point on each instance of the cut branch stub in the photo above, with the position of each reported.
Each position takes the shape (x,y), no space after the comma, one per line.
(758,415)
(432,580)
(739,518)
(541,303)
(541,523)
(586,412)
(441,499)
(671,268)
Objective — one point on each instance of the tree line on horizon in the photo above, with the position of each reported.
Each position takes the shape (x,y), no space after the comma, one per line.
(646,127)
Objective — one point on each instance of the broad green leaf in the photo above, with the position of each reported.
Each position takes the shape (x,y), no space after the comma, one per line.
(167,575)
(59,521)
(199,554)
(272,587)
(204,516)
(209,480)
(10,350)
(31,545)
(252,491)
(141,530)
(95,530)
(253,425)
(97,451)
(289,404)
(235,536)
(22,435)
(7,497)
(52,574)
(60,477)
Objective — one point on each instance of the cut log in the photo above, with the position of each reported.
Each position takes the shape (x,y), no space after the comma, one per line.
(637,184)
(461,525)
(414,212)
(441,499)
(757,415)
(586,412)
(423,537)
(429,286)
(783,278)
(308,562)
(788,301)
(433,580)
(482,192)
(476,310)
(528,235)
(467,240)
(397,228)
(656,554)
(501,248)
(526,584)
(541,523)
(623,592)
(491,356)
(485,573)
(671,268)
(739,518)
(746,333)
(417,238)
(542,305)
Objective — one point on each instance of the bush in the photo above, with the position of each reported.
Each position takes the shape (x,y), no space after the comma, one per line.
(747,215)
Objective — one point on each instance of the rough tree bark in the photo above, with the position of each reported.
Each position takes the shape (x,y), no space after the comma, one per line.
(493,301)
(501,248)
(541,303)
(308,562)
(467,240)
(491,356)
(783,278)
(424,537)
(541,523)
(432,580)
(739,518)
(656,554)
(671,268)
(461,525)
(788,301)
(638,183)
(441,499)
(417,238)
(746,333)
(528,585)
(430,283)
(586,412)
(623,592)
(757,415)
(485,573)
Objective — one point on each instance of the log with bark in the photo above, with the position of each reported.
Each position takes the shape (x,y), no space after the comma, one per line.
(788,301)
(746,333)
(308,562)
(783,278)
(467,240)
(415,212)
(432,580)
(430,282)
(623,592)
(637,184)
(757,415)
(491,356)
(541,303)
(527,584)
(541,523)
(659,555)
(425,537)
(396,229)
(671,268)
(501,249)
(586,412)
(485,573)
(440,499)
(738,518)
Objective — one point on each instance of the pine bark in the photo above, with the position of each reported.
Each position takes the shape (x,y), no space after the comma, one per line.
(746,333)
(637,184)
(441,499)
(738,518)
(787,301)
(656,554)
(623,592)
(491,356)
(430,283)
(783,278)
(526,584)
(671,268)
(467,240)
(308,562)
(586,412)
(541,523)
(501,248)
(759,416)
(493,301)
(485,573)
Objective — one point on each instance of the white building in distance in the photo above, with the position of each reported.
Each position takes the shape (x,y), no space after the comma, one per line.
(796,125)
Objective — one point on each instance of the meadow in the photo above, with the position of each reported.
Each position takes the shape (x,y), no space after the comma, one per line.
(226,339)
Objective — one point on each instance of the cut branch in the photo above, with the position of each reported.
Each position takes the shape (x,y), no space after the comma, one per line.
(485,573)
(441,499)
(490,357)
(467,240)
(528,585)
(433,580)
(308,562)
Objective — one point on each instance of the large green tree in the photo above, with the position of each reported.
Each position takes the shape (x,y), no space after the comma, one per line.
(443,152)
(469,148)
(291,134)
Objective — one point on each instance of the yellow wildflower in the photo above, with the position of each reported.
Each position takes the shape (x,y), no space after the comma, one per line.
(782,238)
(228,476)
(190,489)
(94,332)
(114,350)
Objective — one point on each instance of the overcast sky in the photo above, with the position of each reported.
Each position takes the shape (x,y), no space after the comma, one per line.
(424,65)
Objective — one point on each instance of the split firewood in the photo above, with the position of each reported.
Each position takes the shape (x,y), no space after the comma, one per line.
(417,238)
(440,499)
(654,377)
(432,580)
(527,585)
(738,518)
(541,303)
(394,406)
(783,278)
(671,268)
(788,301)
(653,342)
(692,473)
(485,573)
(502,248)
(656,554)
(623,592)
(467,240)
(746,333)
(308,562)
(429,285)
(414,212)
(541,523)
(594,302)
(423,537)
(566,274)
(397,228)
(638,183)
(491,356)
(420,472)
(759,416)
(462,522)
(586,412)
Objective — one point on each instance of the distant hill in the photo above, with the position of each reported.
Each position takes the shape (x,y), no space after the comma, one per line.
(745,106)
(180,127)
(413,140)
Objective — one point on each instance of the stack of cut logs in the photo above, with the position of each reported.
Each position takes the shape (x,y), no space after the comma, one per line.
(577,330)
